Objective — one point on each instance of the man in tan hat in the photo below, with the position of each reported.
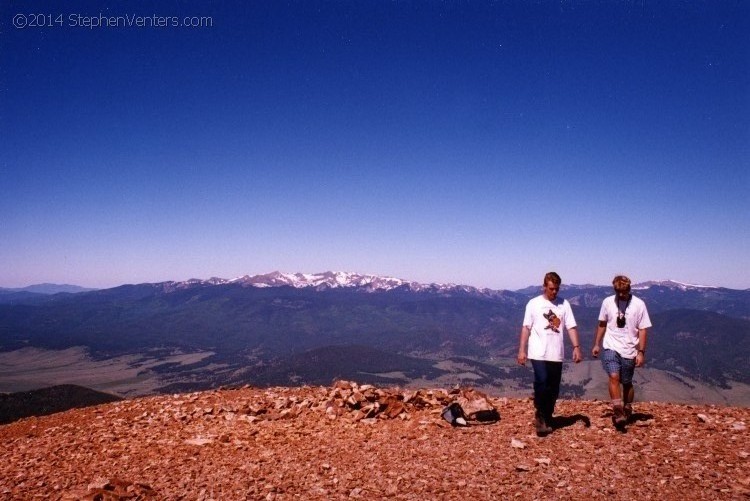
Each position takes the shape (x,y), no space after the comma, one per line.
(623,324)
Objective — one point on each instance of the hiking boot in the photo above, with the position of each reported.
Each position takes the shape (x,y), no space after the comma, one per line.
(542,428)
(618,416)
(628,411)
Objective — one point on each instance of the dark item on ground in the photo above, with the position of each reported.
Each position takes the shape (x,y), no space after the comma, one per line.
(470,407)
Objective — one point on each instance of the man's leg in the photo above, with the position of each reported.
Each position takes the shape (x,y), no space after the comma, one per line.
(612,363)
(554,376)
(541,396)
(628,392)
(614,387)
(540,384)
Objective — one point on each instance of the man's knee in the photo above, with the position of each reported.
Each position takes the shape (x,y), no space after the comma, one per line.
(614,377)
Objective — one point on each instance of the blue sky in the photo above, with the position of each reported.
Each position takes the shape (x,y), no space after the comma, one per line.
(467,142)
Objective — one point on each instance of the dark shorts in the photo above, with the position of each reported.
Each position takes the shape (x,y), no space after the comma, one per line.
(613,363)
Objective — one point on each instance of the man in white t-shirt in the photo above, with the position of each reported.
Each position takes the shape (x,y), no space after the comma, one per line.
(545,319)
(623,323)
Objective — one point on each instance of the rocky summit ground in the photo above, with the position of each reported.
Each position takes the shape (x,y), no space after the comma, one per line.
(360,442)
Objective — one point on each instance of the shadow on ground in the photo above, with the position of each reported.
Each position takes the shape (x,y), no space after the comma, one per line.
(565,421)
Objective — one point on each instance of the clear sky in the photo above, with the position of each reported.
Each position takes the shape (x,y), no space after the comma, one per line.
(480,143)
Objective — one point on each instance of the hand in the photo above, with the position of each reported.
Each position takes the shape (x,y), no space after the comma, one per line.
(595,351)
(640,359)
(521,359)
(577,354)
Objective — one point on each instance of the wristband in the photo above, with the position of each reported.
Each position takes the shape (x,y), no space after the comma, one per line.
(642,351)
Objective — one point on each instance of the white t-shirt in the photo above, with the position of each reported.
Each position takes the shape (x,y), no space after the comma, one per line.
(624,340)
(546,320)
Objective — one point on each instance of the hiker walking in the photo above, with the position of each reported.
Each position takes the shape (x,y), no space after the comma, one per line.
(547,315)
(623,323)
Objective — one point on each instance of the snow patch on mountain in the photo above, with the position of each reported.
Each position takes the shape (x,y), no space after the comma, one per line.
(328,279)
(671,284)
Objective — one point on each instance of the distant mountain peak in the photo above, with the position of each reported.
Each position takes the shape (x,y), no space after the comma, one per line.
(47,288)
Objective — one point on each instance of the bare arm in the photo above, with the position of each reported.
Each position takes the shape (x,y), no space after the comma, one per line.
(600,328)
(522,346)
(573,334)
(640,358)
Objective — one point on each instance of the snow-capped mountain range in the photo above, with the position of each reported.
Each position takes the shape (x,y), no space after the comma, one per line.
(371,283)
(330,280)
(671,284)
